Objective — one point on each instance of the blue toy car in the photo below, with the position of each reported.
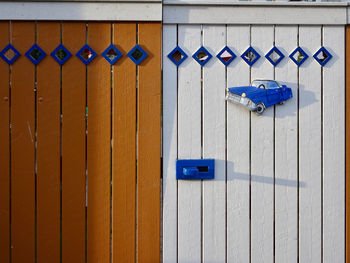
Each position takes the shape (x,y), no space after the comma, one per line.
(260,95)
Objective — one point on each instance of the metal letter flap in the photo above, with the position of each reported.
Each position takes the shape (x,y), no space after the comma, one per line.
(195,169)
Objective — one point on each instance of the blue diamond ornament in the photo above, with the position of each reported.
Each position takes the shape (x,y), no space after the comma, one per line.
(137,54)
(322,56)
(202,56)
(86,54)
(250,56)
(298,56)
(226,56)
(9,54)
(112,54)
(61,54)
(177,56)
(35,54)
(275,56)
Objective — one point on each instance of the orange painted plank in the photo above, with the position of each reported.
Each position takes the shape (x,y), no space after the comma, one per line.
(148,177)
(48,146)
(124,148)
(4,150)
(99,145)
(23,146)
(347,154)
(73,146)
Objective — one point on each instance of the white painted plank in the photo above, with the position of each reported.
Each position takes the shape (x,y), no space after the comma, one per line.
(286,154)
(259,13)
(238,146)
(333,146)
(262,154)
(127,11)
(214,191)
(189,145)
(169,146)
(310,148)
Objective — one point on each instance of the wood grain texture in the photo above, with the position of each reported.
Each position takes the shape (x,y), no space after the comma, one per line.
(333,146)
(347,142)
(286,149)
(148,166)
(124,148)
(214,191)
(73,146)
(98,145)
(4,149)
(262,157)
(169,146)
(189,146)
(48,146)
(238,149)
(23,146)
(310,148)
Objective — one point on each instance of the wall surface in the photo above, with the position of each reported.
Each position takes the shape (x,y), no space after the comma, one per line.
(278,193)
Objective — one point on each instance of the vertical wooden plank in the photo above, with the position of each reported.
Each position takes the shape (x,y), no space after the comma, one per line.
(73,146)
(189,145)
(124,148)
(347,143)
(238,149)
(169,146)
(333,146)
(98,145)
(23,146)
(214,191)
(262,157)
(310,148)
(48,146)
(148,171)
(286,157)
(4,149)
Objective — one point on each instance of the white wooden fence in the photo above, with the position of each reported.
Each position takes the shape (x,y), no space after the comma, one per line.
(279,188)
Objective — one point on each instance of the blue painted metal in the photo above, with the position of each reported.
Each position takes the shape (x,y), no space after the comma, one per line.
(300,62)
(177,49)
(195,169)
(326,56)
(260,95)
(200,61)
(190,171)
(57,49)
(226,62)
(116,58)
(35,48)
(247,54)
(88,49)
(137,48)
(15,51)
(278,52)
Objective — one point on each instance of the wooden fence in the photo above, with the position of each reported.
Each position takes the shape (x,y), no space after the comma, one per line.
(279,188)
(80,145)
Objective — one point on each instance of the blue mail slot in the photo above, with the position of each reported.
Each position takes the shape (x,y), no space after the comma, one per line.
(195,169)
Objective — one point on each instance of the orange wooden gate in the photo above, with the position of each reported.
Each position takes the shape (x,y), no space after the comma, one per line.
(80,146)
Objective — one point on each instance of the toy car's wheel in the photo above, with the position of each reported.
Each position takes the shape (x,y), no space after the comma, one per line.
(261,86)
(281,103)
(260,108)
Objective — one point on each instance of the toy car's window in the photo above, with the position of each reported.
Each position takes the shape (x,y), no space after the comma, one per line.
(261,84)
(273,85)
